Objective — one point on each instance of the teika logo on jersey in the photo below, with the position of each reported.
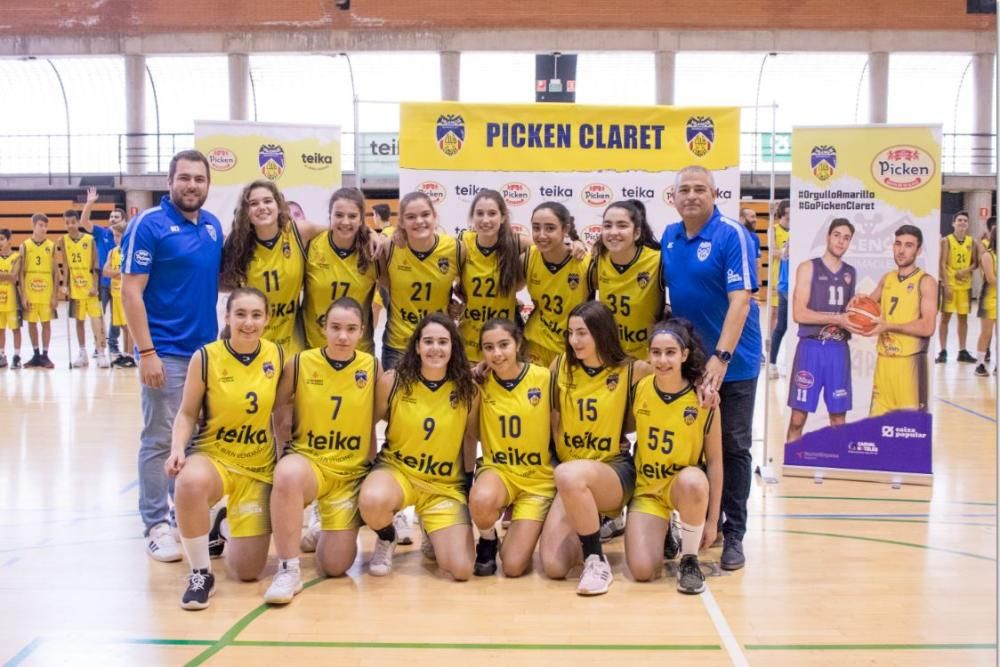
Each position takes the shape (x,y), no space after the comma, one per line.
(512,456)
(427,464)
(245,435)
(434,191)
(597,194)
(903,168)
(333,441)
(515,193)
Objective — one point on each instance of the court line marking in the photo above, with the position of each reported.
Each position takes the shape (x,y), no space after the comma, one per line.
(868,647)
(862,538)
(892,500)
(23,654)
(969,410)
(479,646)
(722,627)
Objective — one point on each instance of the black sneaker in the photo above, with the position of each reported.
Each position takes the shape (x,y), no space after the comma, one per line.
(45,362)
(15,362)
(732,553)
(612,527)
(671,545)
(942,357)
(216,542)
(981,371)
(128,361)
(34,362)
(486,557)
(965,357)
(690,578)
(201,586)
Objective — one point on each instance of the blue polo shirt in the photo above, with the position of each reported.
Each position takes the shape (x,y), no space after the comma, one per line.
(700,272)
(104,239)
(182,260)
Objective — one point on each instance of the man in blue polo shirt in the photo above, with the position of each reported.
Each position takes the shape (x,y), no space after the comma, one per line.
(171,255)
(710,270)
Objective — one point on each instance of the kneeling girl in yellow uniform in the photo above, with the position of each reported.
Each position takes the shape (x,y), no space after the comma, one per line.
(232,382)
(516,469)
(595,474)
(426,402)
(326,401)
(675,435)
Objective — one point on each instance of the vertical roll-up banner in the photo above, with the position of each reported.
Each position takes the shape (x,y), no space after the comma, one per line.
(865,221)
(303,160)
(582,156)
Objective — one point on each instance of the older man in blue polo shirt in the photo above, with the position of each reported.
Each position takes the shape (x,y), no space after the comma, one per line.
(171,255)
(709,268)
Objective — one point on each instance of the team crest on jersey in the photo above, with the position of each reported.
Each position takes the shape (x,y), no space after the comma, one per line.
(612,381)
(847,278)
(704,250)
(642,279)
(224,376)
(909,288)
(573,280)
(271,158)
(286,249)
(450,133)
(453,399)
(443,264)
(211,231)
(268,368)
(534,395)
(823,161)
(700,133)
(690,414)
(361,378)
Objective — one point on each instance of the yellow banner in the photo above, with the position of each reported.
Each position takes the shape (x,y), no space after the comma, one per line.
(238,159)
(566,137)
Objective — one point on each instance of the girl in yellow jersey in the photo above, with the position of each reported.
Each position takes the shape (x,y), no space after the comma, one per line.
(325,409)
(556,281)
(341,264)
(426,402)
(513,426)
(113,270)
(265,249)
(232,383)
(987,302)
(675,435)
(419,276)
(626,274)
(595,475)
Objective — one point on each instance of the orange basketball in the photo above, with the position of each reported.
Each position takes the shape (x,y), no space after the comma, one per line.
(863,312)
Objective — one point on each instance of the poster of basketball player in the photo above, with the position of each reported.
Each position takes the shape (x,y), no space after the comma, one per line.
(863,253)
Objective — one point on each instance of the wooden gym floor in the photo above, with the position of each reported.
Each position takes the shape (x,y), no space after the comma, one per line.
(837,573)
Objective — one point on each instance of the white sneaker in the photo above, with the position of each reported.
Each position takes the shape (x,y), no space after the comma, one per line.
(160,544)
(772,372)
(310,535)
(287,583)
(401,522)
(381,562)
(426,546)
(103,361)
(81,359)
(596,577)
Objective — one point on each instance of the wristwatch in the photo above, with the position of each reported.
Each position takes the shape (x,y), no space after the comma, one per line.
(724,356)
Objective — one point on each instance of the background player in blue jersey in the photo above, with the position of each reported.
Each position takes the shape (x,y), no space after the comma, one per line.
(823,287)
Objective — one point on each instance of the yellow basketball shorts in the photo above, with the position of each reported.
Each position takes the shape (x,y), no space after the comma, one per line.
(336,499)
(653,499)
(248,502)
(38,312)
(900,383)
(81,309)
(530,497)
(958,303)
(537,354)
(10,319)
(988,308)
(437,505)
(117,312)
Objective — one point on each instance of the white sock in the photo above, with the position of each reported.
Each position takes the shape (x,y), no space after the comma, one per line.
(196,550)
(691,538)
(981,357)
(490,534)
(289,564)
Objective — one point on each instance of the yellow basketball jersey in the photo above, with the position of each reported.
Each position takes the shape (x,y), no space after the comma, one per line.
(389,230)
(959,257)
(38,271)
(633,293)
(419,284)
(331,274)
(424,434)
(555,290)
(8,291)
(277,271)
(80,260)
(115,259)
(481,285)
(900,302)
(333,409)
(670,433)
(236,411)
(989,299)
(592,406)
(514,426)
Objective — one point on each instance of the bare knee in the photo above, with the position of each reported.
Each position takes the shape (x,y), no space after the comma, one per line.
(692,483)
(642,569)
(569,478)
(336,565)
(459,567)
(553,566)
(515,566)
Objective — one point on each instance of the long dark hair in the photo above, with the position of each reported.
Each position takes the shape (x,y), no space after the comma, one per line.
(512,329)
(226,333)
(507,248)
(683,332)
(637,214)
(408,369)
(239,246)
(601,325)
(362,238)
(405,201)
(565,217)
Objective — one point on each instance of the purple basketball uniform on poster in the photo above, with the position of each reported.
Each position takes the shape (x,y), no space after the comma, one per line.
(823,357)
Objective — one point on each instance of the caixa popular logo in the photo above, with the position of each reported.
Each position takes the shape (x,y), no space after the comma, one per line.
(271,158)
(700,134)
(450,133)
(597,194)
(903,167)
(515,194)
(434,190)
(221,159)
(823,162)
